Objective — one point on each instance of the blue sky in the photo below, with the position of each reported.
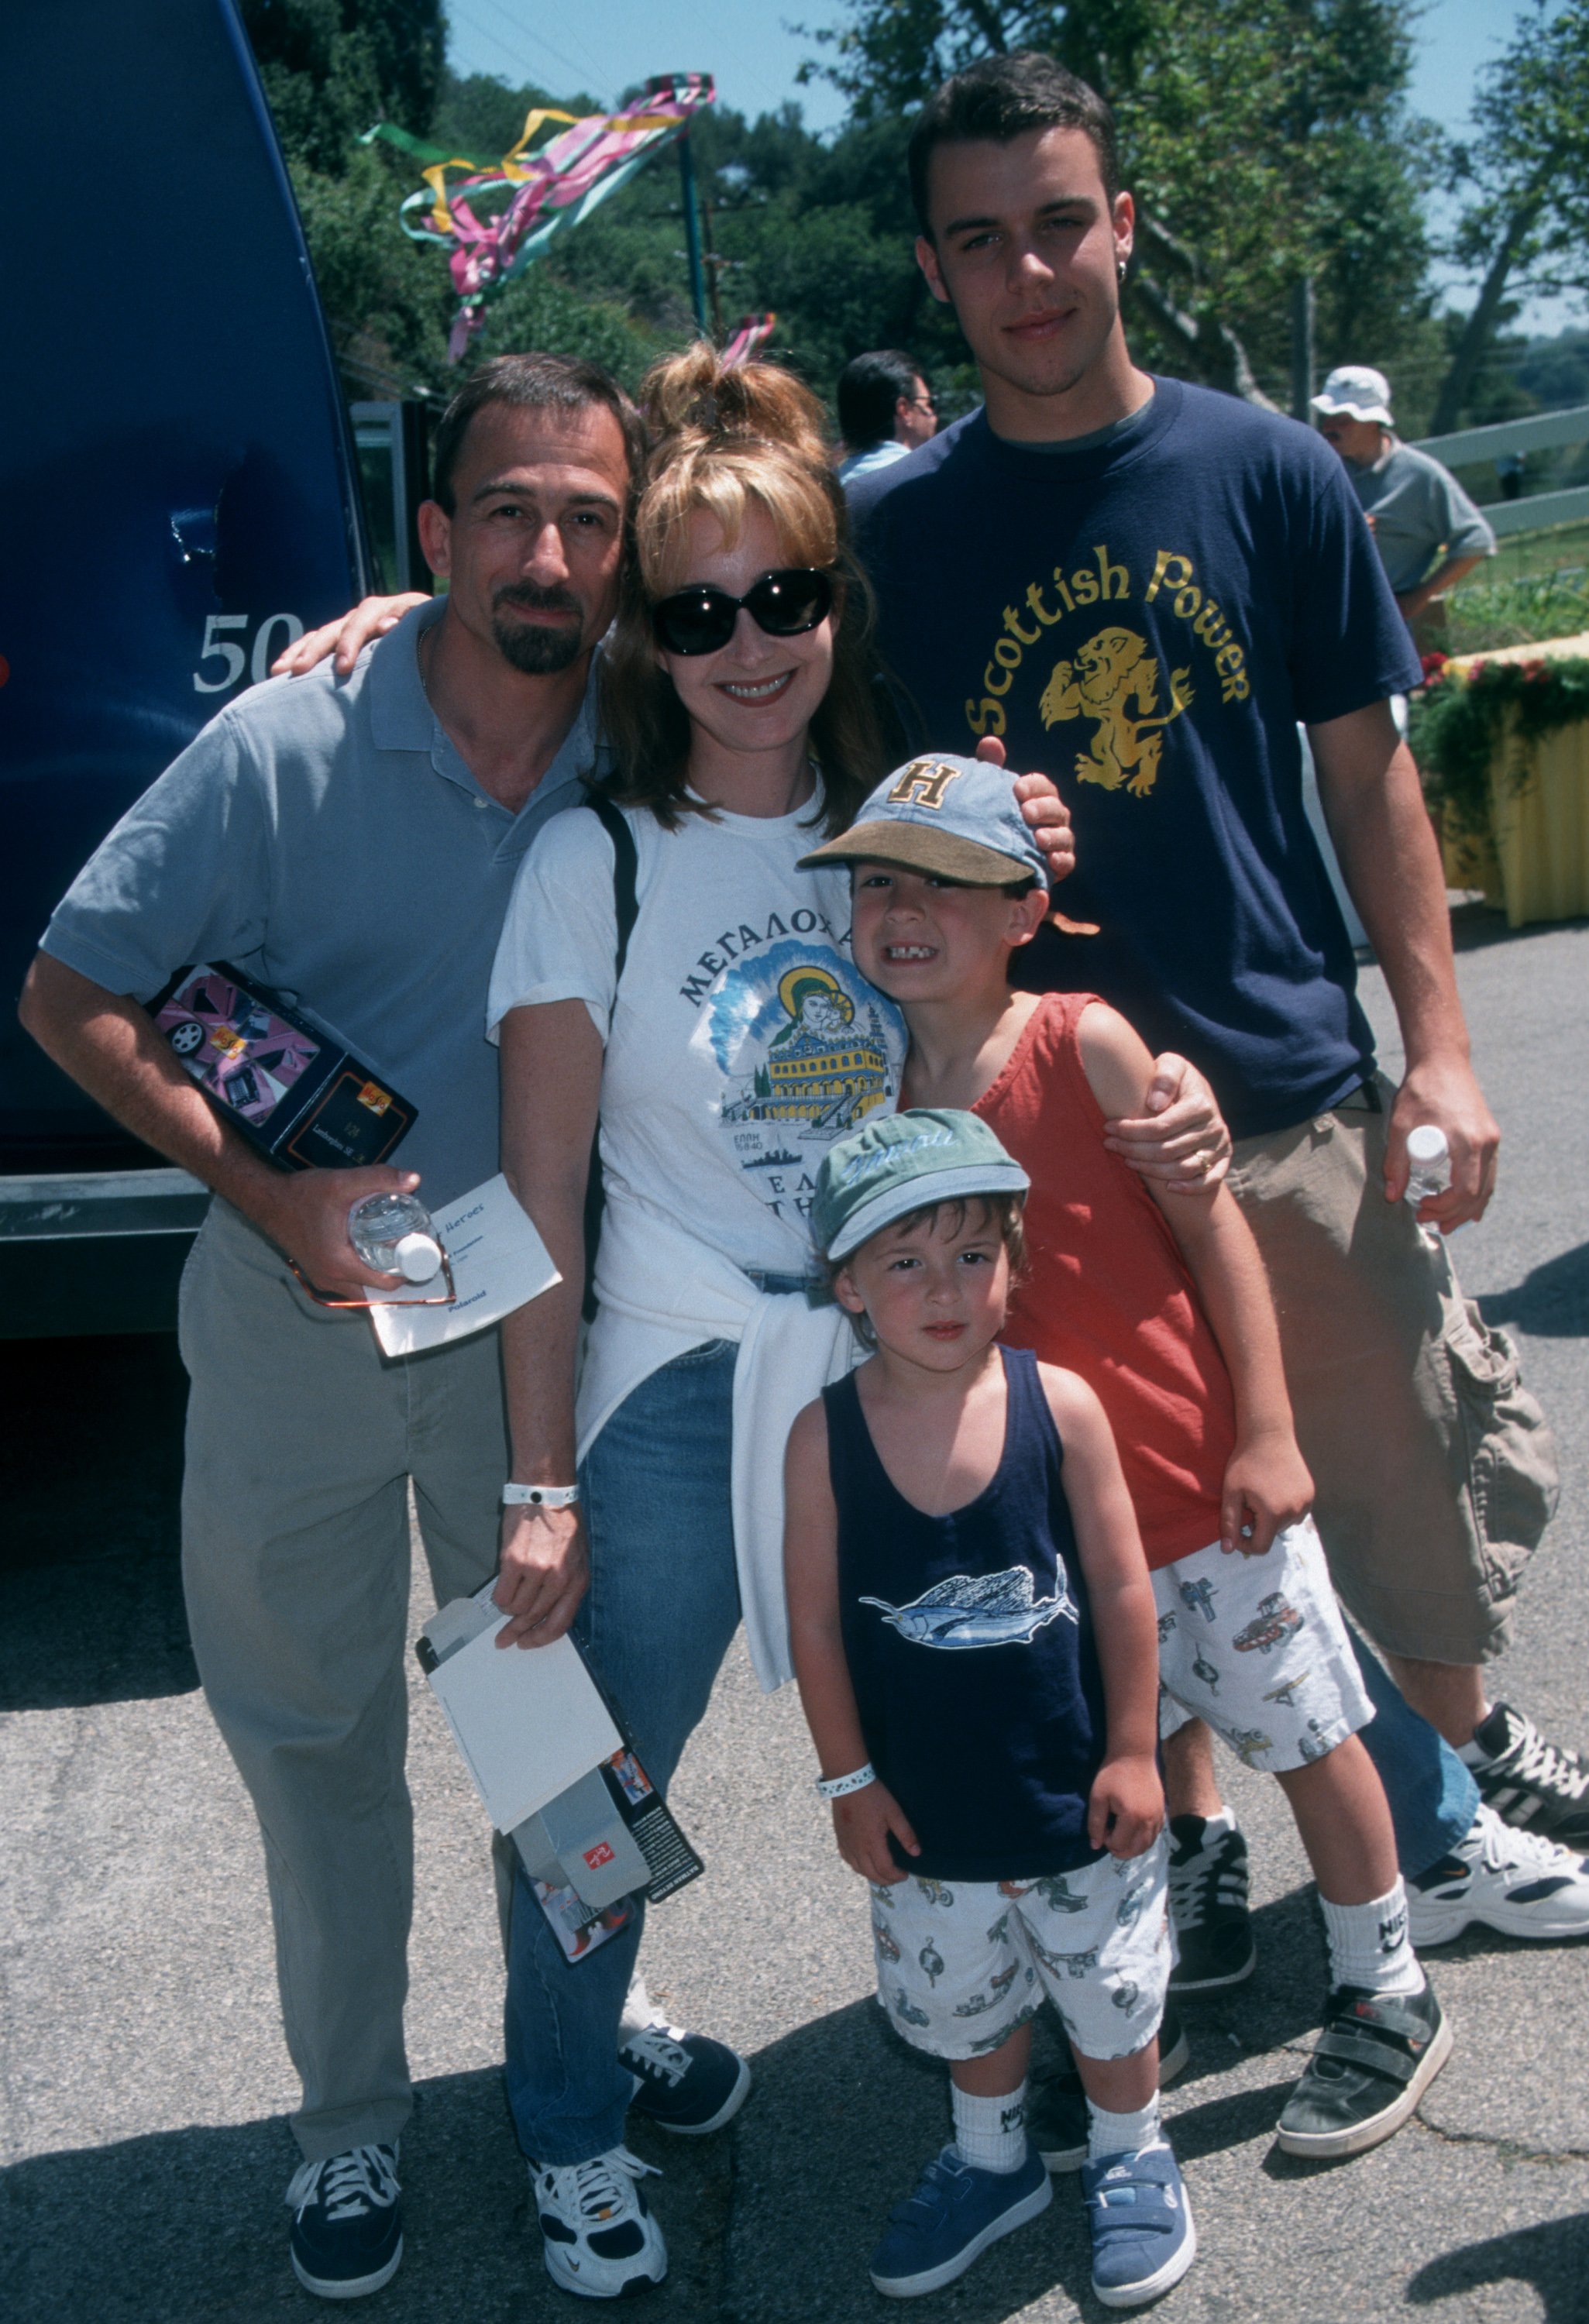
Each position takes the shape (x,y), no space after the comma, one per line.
(748,45)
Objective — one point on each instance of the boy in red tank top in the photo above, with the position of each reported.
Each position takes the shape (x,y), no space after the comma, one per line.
(1160,1302)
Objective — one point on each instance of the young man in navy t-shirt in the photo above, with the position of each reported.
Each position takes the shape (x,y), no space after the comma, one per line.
(1143,587)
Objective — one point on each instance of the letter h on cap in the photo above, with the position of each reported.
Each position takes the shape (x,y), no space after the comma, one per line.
(923,783)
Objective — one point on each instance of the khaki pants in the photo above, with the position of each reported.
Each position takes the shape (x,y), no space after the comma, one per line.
(1434,1470)
(301,1442)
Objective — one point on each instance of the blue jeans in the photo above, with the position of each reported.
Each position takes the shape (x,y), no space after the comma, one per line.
(1432,1797)
(657,1620)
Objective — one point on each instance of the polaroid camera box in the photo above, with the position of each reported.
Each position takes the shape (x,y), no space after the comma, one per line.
(287,1083)
(556,1771)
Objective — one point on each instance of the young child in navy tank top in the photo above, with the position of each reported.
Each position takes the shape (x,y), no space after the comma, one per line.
(974,1635)
(1158,1298)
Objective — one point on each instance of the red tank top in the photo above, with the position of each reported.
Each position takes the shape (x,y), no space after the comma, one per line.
(1106,1292)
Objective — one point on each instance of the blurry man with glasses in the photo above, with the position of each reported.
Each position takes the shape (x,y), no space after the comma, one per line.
(885,410)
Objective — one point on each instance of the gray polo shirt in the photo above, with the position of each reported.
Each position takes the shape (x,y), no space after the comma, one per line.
(328,839)
(1420,514)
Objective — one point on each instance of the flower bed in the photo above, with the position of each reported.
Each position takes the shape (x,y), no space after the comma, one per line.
(1458,723)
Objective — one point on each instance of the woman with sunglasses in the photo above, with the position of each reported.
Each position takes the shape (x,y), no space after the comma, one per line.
(725,1052)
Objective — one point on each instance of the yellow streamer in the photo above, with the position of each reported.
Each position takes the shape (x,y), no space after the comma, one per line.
(436,175)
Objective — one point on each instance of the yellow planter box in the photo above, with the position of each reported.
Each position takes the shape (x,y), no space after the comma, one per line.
(1534,862)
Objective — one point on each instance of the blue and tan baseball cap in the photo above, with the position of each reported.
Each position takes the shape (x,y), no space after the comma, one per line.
(900,1163)
(958,817)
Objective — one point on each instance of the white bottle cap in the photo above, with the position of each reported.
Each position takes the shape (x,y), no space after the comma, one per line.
(417,1257)
(1427,1144)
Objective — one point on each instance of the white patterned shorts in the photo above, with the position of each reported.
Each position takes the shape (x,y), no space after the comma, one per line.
(962,1963)
(1256,1646)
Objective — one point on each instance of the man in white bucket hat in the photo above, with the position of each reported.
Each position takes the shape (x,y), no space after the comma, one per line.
(1428,533)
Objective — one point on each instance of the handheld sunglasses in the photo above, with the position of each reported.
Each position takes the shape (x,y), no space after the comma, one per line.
(785,604)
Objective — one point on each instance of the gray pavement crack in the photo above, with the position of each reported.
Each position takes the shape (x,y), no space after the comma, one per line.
(1506,2150)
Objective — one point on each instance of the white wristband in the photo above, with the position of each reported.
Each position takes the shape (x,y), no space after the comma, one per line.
(835,1787)
(539,1497)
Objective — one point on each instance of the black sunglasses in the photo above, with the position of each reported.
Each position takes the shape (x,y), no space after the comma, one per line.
(785,604)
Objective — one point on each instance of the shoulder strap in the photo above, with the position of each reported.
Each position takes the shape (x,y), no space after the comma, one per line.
(625,912)
(1030,1422)
(625,874)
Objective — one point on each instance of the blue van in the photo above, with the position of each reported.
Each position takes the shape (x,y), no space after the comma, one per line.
(178,474)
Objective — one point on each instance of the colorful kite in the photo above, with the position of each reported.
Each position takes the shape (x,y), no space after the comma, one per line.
(494,218)
(751,332)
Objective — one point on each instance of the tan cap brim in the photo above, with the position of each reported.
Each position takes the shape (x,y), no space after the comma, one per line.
(919,848)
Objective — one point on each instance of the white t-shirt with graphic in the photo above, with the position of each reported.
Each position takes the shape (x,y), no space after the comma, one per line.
(743,1043)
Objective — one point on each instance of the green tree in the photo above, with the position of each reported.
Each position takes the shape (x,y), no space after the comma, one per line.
(332,66)
(1526,173)
(478,113)
(332,69)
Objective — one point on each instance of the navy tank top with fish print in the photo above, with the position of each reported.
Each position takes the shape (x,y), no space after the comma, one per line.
(969,1642)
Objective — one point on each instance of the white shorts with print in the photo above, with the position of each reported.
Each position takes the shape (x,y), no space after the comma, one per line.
(1256,1646)
(962,1963)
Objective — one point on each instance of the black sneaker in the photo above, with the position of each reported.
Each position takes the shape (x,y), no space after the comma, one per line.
(1057,2109)
(346,2223)
(684,2081)
(1530,1783)
(1208,1910)
(1377,2055)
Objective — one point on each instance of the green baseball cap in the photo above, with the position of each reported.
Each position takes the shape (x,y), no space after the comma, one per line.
(900,1163)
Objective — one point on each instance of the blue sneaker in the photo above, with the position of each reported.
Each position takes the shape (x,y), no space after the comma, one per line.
(346,2223)
(685,2082)
(1144,2239)
(955,2212)
(1057,2110)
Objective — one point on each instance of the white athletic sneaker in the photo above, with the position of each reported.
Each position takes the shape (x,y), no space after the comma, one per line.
(1514,1881)
(597,2234)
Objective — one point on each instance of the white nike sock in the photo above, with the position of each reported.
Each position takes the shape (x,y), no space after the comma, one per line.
(1369,1947)
(1122,2133)
(991,2133)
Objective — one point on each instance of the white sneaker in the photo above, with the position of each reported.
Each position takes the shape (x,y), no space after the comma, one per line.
(1510,1880)
(597,2234)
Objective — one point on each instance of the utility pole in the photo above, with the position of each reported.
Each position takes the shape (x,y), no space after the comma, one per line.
(714,266)
(1302,351)
(692,232)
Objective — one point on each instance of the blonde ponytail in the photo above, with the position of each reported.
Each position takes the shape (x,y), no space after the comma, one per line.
(692,402)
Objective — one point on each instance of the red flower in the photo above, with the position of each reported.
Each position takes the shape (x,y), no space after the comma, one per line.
(1434,663)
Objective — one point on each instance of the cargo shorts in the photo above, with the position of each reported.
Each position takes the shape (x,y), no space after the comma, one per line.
(1257,1647)
(1433,1468)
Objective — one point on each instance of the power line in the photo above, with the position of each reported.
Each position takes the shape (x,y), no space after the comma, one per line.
(584,66)
(734,56)
(484,32)
(581,71)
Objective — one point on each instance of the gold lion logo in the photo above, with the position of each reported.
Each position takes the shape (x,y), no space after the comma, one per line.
(1110,673)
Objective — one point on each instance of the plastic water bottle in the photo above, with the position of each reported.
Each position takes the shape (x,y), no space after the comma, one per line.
(394,1234)
(1428,1160)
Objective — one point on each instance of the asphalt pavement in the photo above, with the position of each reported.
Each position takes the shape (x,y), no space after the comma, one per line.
(143,2079)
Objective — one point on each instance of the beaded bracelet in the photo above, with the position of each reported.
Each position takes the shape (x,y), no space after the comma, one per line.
(835,1787)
